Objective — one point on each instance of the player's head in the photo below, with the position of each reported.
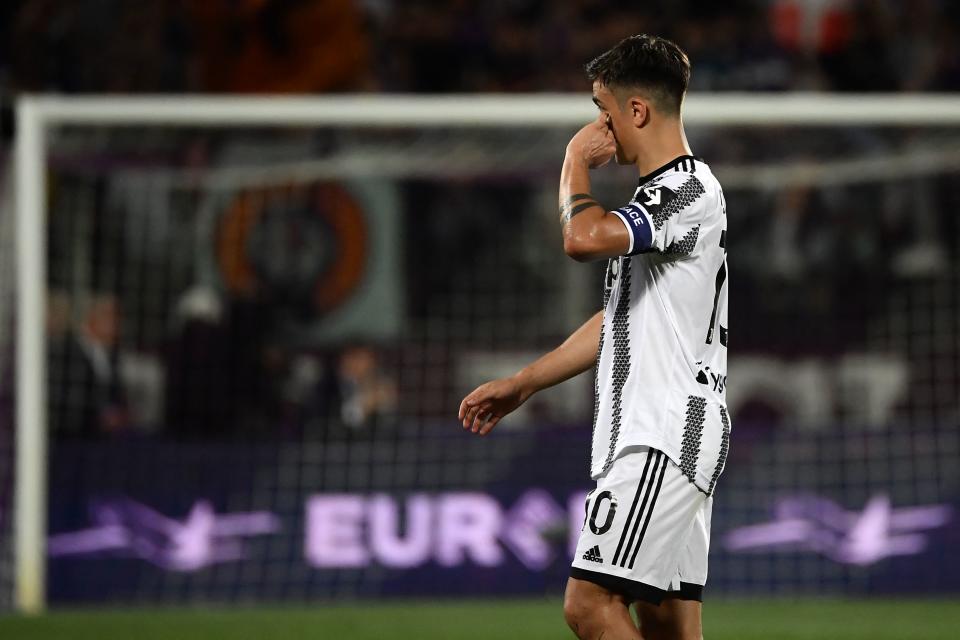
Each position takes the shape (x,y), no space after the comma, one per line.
(641,80)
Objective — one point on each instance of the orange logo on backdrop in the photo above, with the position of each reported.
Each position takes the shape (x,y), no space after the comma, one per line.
(321,208)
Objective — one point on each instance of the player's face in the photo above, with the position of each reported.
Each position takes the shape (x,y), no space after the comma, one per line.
(616,120)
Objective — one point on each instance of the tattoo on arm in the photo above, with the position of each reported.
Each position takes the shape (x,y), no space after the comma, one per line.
(575,204)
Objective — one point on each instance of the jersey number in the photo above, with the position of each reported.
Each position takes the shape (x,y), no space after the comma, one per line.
(721,279)
(601,528)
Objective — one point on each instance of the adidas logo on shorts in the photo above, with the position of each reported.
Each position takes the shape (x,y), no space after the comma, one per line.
(593,555)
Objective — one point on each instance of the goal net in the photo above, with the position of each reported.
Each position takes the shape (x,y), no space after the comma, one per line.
(245,326)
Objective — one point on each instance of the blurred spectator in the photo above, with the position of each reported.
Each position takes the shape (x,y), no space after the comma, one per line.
(198,401)
(366,394)
(85,366)
(224,372)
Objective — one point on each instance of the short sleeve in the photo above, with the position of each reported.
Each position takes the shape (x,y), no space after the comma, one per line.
(665,216)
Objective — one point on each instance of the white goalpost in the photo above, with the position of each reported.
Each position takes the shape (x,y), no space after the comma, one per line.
(36,116)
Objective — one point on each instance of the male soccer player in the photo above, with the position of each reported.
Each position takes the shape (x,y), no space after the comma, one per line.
(661,428)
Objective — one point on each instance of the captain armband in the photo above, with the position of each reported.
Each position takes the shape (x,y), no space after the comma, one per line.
(637,221)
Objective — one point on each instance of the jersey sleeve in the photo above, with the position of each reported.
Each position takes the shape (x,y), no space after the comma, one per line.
(665,216)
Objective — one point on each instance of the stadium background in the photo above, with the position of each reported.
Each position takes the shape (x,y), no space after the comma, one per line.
(257,338)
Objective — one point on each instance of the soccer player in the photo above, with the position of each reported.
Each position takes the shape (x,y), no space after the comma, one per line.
(661,428)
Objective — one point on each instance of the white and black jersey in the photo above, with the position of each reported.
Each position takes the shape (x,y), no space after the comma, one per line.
(662,361)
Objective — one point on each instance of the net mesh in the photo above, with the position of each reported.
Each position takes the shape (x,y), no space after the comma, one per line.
(258,340)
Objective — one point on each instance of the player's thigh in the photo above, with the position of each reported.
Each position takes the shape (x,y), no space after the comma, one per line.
(672,619)
(589,595)
(588,607)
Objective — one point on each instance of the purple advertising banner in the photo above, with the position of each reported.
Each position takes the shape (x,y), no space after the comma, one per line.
(164,521)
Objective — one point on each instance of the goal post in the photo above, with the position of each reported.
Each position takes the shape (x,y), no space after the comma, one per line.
(37,115)
(31,425)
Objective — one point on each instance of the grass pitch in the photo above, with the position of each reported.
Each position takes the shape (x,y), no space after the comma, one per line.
(493,619)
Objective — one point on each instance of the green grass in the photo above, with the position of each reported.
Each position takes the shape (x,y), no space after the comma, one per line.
(520,619)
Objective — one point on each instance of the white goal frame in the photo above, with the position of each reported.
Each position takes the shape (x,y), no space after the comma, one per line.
(35,115)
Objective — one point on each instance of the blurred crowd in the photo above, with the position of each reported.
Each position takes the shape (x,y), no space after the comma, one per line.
(537,45)
(318,46)
(218,372)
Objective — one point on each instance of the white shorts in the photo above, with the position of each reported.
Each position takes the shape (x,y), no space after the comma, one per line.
(647,531)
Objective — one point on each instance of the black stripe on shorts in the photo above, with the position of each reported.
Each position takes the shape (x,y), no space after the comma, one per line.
(615,584)
(653,503)
(633,507)
(687,591)
(638,591)
(646,508)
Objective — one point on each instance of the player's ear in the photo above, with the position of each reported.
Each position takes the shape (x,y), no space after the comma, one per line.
(638,110)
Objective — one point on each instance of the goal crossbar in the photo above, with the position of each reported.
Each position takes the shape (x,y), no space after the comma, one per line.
(523,110)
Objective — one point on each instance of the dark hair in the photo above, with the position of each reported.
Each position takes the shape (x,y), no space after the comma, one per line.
(645,62)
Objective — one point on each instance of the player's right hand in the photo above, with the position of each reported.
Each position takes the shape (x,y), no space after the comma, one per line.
(483,407)
(594,144)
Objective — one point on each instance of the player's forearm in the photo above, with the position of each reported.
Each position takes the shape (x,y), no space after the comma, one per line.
(589,231)
(577,354)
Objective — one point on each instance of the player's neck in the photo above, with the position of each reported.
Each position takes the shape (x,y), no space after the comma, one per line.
(663,143)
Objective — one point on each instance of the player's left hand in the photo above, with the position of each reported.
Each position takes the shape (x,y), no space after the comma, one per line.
(594,144)
(483,407)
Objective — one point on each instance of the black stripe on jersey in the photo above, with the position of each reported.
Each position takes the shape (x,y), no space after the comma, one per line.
(596,384)
(607,288)
(686,244)
(643,507)
(692,435)
(646,522)
(673,164)
(633,507)
(621,358)
(721,277)
(673,202)
(724,448)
